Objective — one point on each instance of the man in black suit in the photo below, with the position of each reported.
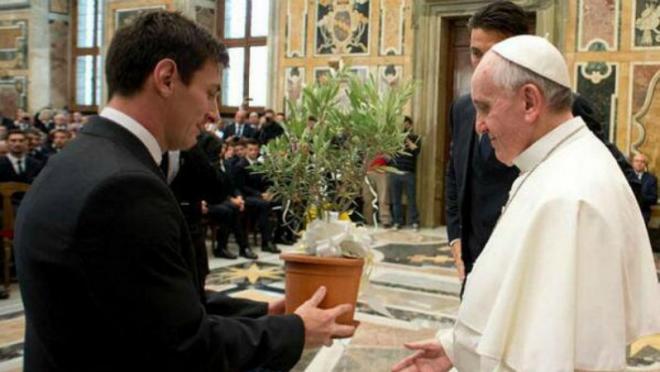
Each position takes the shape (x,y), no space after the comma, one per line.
(258,201)
(477,184)
(271,129)
(17,166)
(649,194)
(239,128)
(104,255)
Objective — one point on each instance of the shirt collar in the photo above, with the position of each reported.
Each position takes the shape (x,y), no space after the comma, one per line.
(537,152)
(14,159)
(136,129)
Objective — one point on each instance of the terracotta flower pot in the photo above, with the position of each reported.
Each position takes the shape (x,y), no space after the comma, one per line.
(305,274)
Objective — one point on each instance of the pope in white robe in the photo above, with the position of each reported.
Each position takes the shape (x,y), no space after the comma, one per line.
(567,279)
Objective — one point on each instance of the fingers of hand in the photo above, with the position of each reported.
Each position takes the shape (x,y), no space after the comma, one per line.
(341,331)
(317,297)
(340,310)
(406,362)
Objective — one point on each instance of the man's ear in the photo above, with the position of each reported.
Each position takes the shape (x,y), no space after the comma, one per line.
(164,75)
(533,100)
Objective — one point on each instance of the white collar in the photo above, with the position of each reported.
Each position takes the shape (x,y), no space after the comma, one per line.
(540,149)
(15,159)
(136,129)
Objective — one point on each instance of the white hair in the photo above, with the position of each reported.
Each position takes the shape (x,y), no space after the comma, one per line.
(511,76)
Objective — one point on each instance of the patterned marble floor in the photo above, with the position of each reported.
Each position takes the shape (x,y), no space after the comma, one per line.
(412,292)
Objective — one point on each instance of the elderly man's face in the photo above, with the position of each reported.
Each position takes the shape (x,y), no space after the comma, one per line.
(500,114)
(639,163)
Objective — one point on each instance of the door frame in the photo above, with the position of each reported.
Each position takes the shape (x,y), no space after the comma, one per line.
(431,19)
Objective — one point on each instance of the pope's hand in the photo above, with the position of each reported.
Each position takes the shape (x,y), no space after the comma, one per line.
(429,356)
(320,325)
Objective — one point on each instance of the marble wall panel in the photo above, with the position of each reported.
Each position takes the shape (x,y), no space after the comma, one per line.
(295,32)
(646,33)
(126,16)
(14,44)
(392,27)
(645,111)
(389,76)
(342,27)
(59,6)
(13,94)
(598,25)
(14,4)
(206,18)
(294,79)
(597,81)
(59,62)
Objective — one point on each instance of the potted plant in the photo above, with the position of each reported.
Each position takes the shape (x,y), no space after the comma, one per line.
(318,168)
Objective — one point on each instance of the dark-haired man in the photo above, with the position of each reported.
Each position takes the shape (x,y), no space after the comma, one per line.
(271,129)
(103,251)
(477,184)
(17,166)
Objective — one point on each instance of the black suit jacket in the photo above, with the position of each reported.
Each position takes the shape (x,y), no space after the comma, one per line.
(649,192)
(108,275)
(248,131)
(8,174)
(458,206)
(248,183)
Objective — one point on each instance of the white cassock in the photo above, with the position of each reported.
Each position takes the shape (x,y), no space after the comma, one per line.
(567,279)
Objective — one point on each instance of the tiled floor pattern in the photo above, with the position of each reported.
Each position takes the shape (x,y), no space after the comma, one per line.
(412,292)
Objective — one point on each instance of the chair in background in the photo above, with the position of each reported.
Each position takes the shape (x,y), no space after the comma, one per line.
(9,205)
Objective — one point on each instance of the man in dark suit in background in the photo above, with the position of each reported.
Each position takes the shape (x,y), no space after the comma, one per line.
(477,184)
(17,166)
(240,128)
(649,194)
(258,201)
(105,259)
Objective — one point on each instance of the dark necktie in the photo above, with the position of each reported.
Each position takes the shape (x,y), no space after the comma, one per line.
(165,164)
(485,149)
(239,131)
(21,168)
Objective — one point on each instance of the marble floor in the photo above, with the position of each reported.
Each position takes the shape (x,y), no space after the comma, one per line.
(412,292)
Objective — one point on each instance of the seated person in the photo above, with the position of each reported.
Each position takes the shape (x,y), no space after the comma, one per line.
(258,201)
(229,215)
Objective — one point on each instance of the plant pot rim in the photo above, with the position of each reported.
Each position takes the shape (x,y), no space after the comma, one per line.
(334,261)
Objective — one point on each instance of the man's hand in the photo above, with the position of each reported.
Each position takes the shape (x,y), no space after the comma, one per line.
(276,307)
(267,196)
(429,356)
(458,260)
(320,325)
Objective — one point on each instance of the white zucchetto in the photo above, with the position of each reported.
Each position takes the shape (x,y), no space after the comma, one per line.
(537,55)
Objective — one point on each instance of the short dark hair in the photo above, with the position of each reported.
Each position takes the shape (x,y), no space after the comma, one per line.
(138,47)
(501,16)
(251,141)
(407,119)
(52,133)
(16,131)
(269,111)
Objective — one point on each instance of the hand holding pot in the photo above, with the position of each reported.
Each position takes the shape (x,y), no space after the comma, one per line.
(320,325)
